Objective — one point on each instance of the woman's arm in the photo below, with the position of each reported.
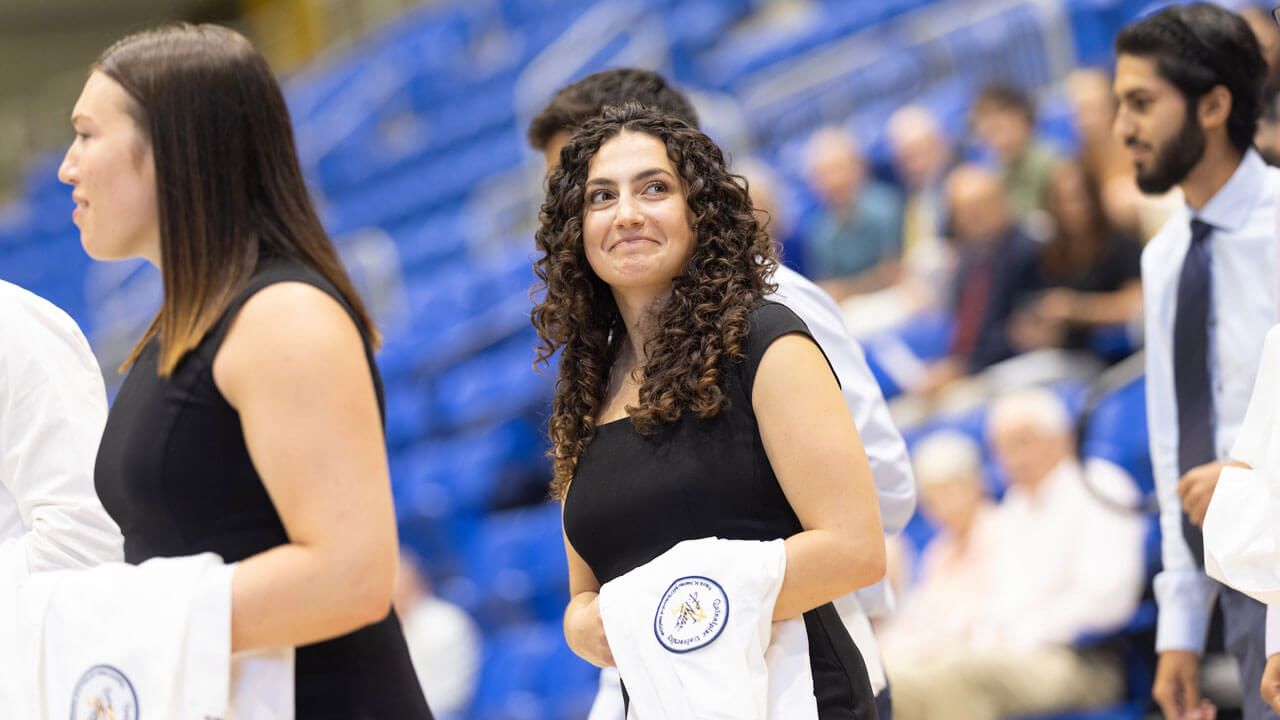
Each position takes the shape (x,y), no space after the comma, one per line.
(816,453)
(294,368)
(1093,308)
(583,627)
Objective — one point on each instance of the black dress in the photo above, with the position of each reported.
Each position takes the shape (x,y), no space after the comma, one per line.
(634,497)
(174,473)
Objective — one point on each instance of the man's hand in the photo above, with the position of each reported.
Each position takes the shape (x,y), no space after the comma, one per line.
(1177,687)
(1196,488)
(1271,683)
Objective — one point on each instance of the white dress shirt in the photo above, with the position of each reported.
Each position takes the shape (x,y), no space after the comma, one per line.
(1243,251)
(52,411)
(886,451)
(1065,562)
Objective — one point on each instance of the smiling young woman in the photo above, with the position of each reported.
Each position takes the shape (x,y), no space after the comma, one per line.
(688,406)
(250,423)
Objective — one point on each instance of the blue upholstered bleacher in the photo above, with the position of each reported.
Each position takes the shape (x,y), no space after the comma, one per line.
(402,131)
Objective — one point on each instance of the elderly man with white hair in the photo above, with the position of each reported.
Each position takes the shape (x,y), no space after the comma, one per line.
(1067,561)
(944,605)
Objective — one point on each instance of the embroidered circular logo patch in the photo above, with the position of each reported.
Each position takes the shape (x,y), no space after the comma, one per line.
(104,693)
(691,614)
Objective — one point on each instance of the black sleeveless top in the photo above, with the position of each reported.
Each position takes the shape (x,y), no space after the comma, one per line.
(634,497)
(173,471)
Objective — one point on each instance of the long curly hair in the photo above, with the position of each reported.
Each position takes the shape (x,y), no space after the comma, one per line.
(699,329)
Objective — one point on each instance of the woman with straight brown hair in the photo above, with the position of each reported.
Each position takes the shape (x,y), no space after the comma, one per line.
(250,423)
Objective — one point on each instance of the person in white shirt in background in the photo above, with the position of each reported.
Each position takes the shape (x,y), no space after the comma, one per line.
(443,640)
(885,449)
(52,410)
(1067,561)
(1189,83)
(941,609)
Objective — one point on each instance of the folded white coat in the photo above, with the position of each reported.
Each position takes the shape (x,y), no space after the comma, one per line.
(1242,526)
(692,634)
(134,642)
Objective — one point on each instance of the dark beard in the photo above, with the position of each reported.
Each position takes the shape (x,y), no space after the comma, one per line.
(1175,158)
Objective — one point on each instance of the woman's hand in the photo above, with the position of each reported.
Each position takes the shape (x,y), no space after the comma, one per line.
(584,630)
(583,626)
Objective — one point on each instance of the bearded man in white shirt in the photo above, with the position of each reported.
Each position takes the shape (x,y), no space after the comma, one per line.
(52,410)
(1188,80)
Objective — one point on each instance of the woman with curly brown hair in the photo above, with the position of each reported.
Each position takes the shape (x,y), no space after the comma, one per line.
(687,406)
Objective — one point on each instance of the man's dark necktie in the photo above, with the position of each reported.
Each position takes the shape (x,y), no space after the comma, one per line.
(1191,368)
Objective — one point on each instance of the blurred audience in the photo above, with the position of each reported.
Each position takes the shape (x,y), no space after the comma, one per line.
(997,273)
(1264,28)
(1004,120)
(1091,269)
(766,191)
(1066,563)
(1267,139)
(444,642)
(1106,162)
(854,242)
(921,157)
(943,607)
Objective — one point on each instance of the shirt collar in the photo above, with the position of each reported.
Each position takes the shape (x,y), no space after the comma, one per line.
(1229,208)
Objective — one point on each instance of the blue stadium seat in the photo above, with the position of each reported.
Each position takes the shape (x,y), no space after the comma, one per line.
(494,386)
(511,678)
(1117,431)
(517,560)
(530,673)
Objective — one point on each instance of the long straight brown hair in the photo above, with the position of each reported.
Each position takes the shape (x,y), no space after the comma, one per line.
(228,184)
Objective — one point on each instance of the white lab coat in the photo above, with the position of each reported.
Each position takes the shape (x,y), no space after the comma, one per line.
(120,640)
(693,635)
(1242,526)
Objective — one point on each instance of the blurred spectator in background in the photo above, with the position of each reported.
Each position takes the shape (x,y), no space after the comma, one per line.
(765,188)
(1264,27)
(922,156)
(1267,34)
(444,642)
(1004,119)
(997,273)
(942,608)
(1267,139)
(1065,563)
(1092,270)
(1093,111)
(855,241)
